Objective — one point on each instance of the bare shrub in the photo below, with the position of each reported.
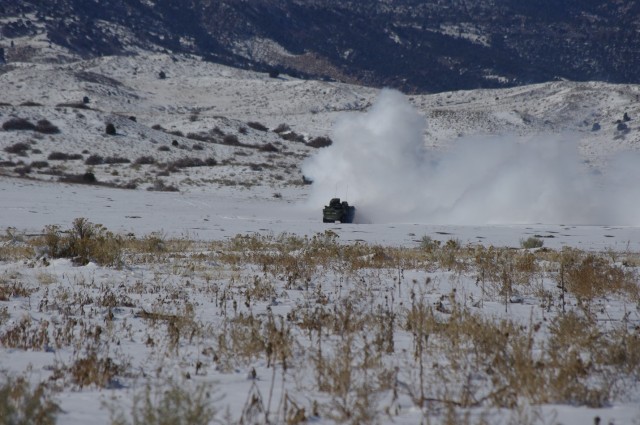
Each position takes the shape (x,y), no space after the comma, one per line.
(84,242)
(83,178)
(160,186)
(292,136)
(593,276)
(18,148)
(531,243)
(94,160)
(18,124)
(23,170)
(21,404)
(40,164)
(216,131)
(282,128)
(27,335)
(61,156)
(257,126)
(94,370)
(199,137)
(116,160)
(192,162)
(320,142)
(145,160)
(268,147)
(110,129)
(46,127)
(231,139)
(74,105)
(180,404)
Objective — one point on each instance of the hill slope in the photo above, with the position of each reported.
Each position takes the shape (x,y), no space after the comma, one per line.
(406,44)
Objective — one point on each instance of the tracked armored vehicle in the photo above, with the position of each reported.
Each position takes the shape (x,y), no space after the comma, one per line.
(338,211)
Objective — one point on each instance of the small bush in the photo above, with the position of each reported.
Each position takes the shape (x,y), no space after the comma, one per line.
(160,186)
(593,276)
(274,73)
(320,142)
(40,164)
(85,178)
(84,242)
(282,128)
(18,124)
(162,75)
(145,160)
(531,242)
(74,105)
(46,127)
(164,149)
(61,156)
(85,99)
(177,405)
(157,127)
(116,160)
(93,370)
(216,131)
(192,162)
(268,148)
(427,243)
(292,136)
(197,147)
(231,139)
(257,126)
(18,148)
(20,404)
(22,170)
(110,129)
(94,160)
(199,137)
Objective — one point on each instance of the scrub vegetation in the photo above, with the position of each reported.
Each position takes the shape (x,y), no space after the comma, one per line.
(312,329)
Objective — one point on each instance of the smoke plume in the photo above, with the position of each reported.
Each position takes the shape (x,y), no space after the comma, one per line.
(379,163)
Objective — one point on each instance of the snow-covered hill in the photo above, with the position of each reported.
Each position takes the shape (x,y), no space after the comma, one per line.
(201,110)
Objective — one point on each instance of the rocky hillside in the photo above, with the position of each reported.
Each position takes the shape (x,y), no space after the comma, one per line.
(412,45)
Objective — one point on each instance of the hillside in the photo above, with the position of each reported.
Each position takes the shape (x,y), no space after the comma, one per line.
(202,112)
(405,44)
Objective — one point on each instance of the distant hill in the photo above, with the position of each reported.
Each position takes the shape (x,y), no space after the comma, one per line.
(412,45)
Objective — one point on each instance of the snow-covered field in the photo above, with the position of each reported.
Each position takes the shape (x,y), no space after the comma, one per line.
(230,292)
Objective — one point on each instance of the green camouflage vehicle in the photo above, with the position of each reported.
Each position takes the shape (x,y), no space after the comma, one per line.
(338,211)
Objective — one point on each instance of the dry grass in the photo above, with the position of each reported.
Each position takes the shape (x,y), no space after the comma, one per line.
(20,404)
(354,327)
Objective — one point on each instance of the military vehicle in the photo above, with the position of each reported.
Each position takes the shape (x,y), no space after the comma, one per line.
(338,211)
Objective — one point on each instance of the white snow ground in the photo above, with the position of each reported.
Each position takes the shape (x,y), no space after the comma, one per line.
(253,191)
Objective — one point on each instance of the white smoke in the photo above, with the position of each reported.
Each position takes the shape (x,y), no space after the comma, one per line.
(379,163)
